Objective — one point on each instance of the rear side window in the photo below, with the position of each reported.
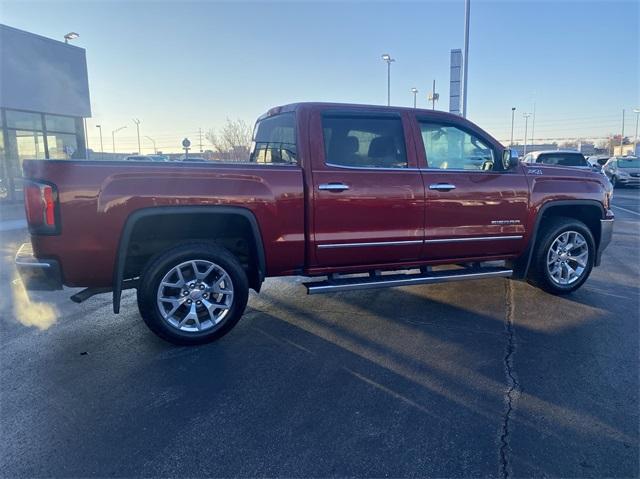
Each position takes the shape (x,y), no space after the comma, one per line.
(563,159)
(274,140)
(364,142)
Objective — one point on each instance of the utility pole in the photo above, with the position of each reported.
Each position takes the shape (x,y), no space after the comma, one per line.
(467,12)
(526,124)
(513,114)
(101,147)
(137,122)
(200,135)
(387,58)
(414,90)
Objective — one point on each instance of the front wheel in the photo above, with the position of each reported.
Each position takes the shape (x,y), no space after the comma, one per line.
(193,294)
(564,256)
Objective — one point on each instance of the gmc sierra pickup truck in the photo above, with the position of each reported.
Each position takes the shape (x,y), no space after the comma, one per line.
(351,196)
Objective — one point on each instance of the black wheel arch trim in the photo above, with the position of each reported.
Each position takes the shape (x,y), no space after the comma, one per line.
(523,263)
(133,218)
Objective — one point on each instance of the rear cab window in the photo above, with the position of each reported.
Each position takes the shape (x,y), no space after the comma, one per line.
(274,140)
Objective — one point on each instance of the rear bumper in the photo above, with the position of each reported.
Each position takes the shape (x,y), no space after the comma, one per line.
(37,274)
(606,233)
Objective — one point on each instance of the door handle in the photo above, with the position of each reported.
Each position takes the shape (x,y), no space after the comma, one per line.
(333,187)
(442,187)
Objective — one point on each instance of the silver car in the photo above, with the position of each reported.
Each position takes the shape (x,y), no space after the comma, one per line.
(623,170)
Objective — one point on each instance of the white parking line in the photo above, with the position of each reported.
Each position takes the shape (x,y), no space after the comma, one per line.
(624,209)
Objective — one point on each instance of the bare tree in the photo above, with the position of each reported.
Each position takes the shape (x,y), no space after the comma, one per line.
(232,141)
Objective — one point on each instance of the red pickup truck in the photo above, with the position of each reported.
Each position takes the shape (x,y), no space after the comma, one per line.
(352,196)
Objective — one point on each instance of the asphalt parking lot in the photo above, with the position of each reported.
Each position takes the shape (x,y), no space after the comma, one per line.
(490,378)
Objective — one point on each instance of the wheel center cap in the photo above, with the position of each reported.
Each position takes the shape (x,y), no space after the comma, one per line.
(564,256)
(195,295)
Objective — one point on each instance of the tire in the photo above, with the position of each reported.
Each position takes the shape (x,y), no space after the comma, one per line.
(547,269)
(188,306)
(614,182)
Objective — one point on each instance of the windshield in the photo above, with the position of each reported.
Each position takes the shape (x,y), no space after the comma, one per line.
(629,162)
(563,159)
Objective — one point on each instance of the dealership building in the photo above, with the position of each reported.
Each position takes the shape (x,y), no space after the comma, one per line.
(44,99)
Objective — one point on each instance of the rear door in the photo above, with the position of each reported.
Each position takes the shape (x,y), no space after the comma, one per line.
(368,192)
(474,208)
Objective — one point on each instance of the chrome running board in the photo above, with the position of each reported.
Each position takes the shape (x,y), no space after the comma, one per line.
(378,280)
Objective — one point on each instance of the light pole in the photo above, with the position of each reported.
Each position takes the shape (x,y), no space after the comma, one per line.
(113,136)
(137,122)
(635,137)
(434,97)
(414,90)
(387,58)
(513,114)
(622,136)
(70,36)
(155,150)
(467,12)
(99,127)
(526,124)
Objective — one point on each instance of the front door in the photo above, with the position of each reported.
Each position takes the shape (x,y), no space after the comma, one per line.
(368,193)
(474,208)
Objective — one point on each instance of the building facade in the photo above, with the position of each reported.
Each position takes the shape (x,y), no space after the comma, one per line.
(44,99)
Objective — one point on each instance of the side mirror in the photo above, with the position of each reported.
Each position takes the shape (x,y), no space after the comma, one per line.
(509,159)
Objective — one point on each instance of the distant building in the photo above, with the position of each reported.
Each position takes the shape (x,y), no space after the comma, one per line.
(44,98)
(626,150)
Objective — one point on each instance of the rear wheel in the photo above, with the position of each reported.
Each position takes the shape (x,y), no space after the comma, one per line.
(564,256)
(192,294)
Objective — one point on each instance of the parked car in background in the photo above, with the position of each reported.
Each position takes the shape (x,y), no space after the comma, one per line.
(623,170)
(138,158)
(158,157)
(193,158)
(597,162)
(571,158)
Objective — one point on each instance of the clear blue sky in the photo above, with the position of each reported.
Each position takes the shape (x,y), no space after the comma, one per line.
(180,66)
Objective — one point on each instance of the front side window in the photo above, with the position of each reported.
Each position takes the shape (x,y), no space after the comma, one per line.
(449,148)
(274,140)
(364,142)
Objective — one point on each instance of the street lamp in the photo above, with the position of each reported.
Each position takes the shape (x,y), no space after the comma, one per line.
(137,122)
(70,36)
(467,12)
(513,113)
(155,150)
(526,124)
(387,58)
(635,137)
(414,90)
(113,136)
(101,147)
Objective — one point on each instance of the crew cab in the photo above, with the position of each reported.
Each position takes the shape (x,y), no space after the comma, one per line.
(350,196)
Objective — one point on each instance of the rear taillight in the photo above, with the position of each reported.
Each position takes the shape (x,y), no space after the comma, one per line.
(41,204)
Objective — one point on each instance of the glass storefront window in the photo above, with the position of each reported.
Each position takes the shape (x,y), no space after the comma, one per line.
(61,146)
(62,124)
(24,120)
(30,145)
